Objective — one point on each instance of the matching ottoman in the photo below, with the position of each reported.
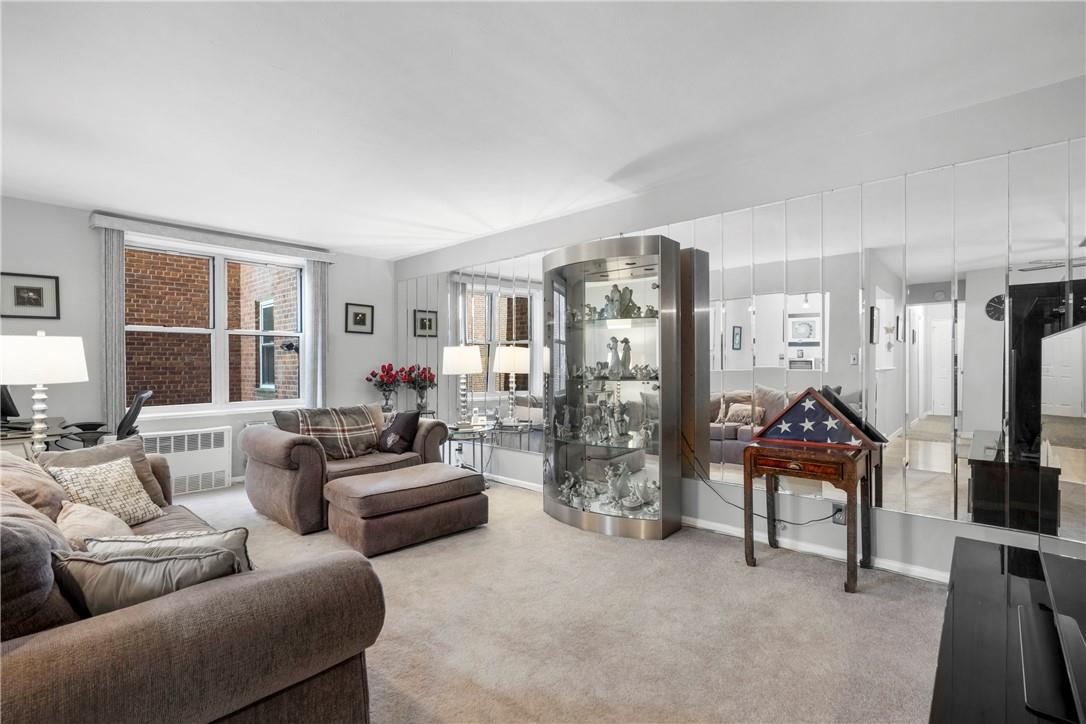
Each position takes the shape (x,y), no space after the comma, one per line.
(380,512)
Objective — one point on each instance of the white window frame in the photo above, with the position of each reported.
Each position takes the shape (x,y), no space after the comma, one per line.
(219,333)
(493,296)
(265,341)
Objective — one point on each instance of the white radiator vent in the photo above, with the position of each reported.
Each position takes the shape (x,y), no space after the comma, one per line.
(199,459)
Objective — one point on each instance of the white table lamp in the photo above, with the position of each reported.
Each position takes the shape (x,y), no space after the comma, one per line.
(40,360)
(462,360)
(512,361)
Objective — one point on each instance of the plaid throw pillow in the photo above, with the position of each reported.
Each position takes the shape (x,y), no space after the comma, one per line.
(343,432)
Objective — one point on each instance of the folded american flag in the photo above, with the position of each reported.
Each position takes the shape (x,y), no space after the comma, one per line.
(810,418)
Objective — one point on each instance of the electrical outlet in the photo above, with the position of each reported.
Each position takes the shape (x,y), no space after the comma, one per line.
(854,359)
(839,514)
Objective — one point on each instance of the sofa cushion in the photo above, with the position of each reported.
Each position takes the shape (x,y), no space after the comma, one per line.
(373,463)
(111,486)
(400,434)
(651,403)
(731,430)
(174,518)
(78,521)
(29,599)
(98,583)
(234,540)
(745,433)
(742,413)
(131,448)
(729,398)
(716,431)
(368,496)
(771,399)
(32,484)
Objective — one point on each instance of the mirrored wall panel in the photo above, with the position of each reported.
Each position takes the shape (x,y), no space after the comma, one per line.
(932,303)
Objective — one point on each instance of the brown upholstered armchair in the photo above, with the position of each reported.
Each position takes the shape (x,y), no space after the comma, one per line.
(285,472)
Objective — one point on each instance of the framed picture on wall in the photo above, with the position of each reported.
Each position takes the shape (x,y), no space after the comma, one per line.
(899,329)
(29,296)
(425,323)
(359,318)
(873,324)
(737,337)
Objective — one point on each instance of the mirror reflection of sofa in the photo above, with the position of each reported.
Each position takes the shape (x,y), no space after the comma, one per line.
(732,428)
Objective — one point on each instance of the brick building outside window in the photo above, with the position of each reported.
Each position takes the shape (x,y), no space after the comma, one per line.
(209,329)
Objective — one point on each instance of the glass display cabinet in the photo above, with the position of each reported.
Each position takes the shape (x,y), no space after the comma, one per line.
(612,380)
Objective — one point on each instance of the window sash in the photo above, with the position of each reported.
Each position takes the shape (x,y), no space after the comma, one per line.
(220,333)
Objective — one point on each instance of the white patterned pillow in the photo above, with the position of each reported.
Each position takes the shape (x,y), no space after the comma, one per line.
(112,486)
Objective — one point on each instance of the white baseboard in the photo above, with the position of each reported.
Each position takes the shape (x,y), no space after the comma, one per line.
(837,554)
(237,480)
(537,487)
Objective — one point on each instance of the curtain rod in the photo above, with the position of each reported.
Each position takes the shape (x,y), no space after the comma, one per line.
(104,220)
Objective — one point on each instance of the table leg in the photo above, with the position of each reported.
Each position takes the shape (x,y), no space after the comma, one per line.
(850,516)
(748,517)
(878,482)
(865,521)
(771,509)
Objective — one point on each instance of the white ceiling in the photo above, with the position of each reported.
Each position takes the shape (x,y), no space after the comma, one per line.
(391,129)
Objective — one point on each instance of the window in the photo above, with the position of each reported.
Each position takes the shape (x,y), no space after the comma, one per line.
(493,319)
(206,329)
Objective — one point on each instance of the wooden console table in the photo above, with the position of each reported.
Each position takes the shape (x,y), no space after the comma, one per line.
(852,470)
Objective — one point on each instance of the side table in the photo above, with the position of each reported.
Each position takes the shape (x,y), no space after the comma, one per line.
(852,470)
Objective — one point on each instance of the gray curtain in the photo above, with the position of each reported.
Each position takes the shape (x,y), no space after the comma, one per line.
(316,332)
(113,401)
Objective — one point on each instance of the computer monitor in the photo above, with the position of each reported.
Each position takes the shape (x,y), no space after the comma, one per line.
(7,405)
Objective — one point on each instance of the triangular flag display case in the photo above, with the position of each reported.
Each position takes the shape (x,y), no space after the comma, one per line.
(816,437)
(820,418)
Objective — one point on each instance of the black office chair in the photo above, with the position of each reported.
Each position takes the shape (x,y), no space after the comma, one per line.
(89,434)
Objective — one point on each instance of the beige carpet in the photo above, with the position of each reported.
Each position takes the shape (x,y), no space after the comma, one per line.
(527,619)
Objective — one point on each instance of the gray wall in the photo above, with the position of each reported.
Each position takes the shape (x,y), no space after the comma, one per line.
(46,239)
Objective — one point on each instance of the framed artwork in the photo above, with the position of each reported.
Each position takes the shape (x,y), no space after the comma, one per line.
(29,296)
(425,323)
(804,329)
(737,337)
(359,318)
(899,329)
(873,324)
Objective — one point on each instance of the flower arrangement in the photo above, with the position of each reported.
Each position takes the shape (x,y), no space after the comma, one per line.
(419,378)
(388,380)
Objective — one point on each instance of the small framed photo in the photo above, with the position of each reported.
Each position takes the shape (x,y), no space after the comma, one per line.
(899,329)
(425,323)
(359,318)
(29,296)
(873,325)
(737,337)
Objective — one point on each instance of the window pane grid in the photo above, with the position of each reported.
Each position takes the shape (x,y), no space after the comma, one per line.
(172,302)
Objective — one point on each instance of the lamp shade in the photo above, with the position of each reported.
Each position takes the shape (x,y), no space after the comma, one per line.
(461,360)
(41,360)
(513,360)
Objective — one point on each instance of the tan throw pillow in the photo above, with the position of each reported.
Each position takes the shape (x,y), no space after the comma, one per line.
(111,486)
(131,448)
(33,485)
(741,413)
(343,432)
(78,521)
(722,415)
(233,540)
(729,398)
(98,583)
